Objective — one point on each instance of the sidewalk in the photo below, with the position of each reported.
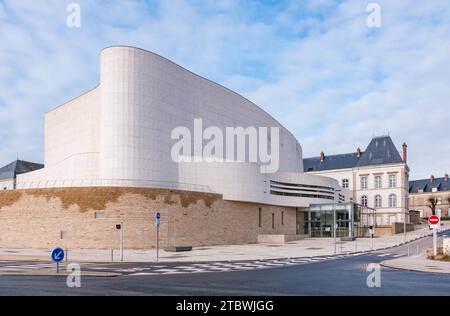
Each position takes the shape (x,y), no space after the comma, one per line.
(418,263)
(295,249)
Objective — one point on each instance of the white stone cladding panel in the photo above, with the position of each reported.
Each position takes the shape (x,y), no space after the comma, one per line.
(119,134)
(144,97)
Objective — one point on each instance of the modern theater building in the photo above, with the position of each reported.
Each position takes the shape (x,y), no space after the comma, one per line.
(109,160)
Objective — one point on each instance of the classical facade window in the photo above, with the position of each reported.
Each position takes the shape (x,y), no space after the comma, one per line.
(345,183)
(392,200)
(392,181)
(378,201)
(363,183)
(377,182)
(364,200)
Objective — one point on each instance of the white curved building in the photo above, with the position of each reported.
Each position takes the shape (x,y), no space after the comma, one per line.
(119,134)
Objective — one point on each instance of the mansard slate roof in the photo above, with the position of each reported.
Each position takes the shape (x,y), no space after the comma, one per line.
(427,185)
(380,151)
(18,167)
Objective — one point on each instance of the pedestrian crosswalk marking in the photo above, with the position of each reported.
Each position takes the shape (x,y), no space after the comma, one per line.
(188,268)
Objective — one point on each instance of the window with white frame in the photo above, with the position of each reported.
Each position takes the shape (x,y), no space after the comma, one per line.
(364,200)
(345,183)
(378,201)
(377,182)
(392,200)
(392,181)
(363,183)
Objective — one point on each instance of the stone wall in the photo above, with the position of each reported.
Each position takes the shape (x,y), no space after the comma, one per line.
(398,228)
(85,218)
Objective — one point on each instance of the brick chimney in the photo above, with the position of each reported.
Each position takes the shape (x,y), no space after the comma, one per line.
(322,156)
(358,152)
(431,178)
(446,177)
(405,152)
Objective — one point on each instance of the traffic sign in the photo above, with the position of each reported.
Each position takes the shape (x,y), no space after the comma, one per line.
(58,255)
(158,216)
(434,221)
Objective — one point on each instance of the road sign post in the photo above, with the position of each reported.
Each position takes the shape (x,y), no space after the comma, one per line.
(120,226)
(57,256)
(372,233)
(158,221)
(434,222)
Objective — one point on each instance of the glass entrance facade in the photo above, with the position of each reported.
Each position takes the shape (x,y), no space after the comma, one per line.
(351,220)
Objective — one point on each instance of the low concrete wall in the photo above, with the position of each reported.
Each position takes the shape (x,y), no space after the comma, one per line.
(271,239)
(398,228)
(278,239)
(446,246)
(381,231)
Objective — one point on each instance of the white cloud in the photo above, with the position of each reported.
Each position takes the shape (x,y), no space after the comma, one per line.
(314,65)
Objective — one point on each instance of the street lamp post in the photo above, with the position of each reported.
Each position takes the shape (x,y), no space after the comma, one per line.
(404,226)
(334,225)
(334,220)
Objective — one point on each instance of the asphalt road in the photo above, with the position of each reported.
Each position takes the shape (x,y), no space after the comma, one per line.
(342,276)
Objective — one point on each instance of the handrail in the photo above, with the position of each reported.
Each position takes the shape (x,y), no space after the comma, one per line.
(72,183)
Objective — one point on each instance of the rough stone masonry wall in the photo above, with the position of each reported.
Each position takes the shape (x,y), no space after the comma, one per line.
(85,218)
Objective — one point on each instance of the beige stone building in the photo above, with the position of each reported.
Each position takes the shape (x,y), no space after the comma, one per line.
(378,177)
(423,192)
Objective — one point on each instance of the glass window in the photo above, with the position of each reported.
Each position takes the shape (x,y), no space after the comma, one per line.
(273,220)
(364,200)
(377,182)
(363,183)
(392,181)
(345,183)
(392,200)
(260,217)
(378,201)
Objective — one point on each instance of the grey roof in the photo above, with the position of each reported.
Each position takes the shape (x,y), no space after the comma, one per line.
(427,185)
(343,161)
(11,170)
(380,151)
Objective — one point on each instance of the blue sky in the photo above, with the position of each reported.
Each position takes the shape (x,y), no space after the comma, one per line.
(314,65)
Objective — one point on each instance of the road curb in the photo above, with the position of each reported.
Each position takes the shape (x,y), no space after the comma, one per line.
(237,260)
(386,265)
(65,274)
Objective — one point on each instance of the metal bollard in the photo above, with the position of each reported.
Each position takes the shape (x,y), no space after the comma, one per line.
(112,255)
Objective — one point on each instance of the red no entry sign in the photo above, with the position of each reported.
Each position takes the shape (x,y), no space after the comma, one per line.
(433,220)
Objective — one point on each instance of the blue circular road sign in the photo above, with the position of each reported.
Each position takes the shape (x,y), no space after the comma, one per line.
(158,216)
(57,255)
